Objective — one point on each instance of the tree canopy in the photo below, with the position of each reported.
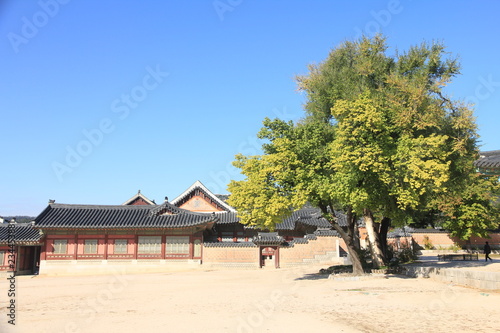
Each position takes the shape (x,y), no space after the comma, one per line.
(380,140)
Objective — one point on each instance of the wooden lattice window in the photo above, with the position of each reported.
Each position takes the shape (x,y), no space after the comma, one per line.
(90,246)
(177,245)
(197,248)
(60,246)
(149,244)
(120,246)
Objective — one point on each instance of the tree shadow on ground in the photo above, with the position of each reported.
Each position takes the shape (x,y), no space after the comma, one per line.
(346,277)
(453,263)
(313,276)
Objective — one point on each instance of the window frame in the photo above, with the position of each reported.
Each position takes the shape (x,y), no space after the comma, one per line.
(144,247)
(57,246)
(173,247)
(90,246)
(122,246)
(197,248)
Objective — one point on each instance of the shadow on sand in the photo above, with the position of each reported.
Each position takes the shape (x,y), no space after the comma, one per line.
(433,262)
(319,276)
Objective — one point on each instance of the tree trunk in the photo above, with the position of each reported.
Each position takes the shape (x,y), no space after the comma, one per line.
(352,229)
(468,246)
(357,267)
(384,228)
(376,251)
(353,244)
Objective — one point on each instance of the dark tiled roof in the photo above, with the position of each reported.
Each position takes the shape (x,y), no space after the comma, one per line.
(489,160)
(22,233)
(489,153)
(223,197)
(310,237)
(119,217)
(307,216)
(342,219)
(227,217)
(268,238)
(326,232)
(428,231)
(312,216)
(408,231)
(402,232)
(299,241)
(166,208)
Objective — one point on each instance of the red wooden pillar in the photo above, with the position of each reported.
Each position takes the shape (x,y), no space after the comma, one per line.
(106,246)
(75,252)
(191,247)
(260,257)
(136,246)
(277,257)
(43,248)
(163,245)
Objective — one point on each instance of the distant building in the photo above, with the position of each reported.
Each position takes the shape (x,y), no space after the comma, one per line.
(489,163)
(196,228)
(19,247)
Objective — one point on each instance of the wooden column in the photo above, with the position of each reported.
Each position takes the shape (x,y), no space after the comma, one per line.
(191,247)
(163,246)
(75,253)
(106,246)
(43,249)
(277,257)
(136,246)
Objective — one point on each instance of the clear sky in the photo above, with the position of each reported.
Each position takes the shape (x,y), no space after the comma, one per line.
(99,99)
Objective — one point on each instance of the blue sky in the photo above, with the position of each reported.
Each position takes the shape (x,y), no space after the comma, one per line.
(101,99)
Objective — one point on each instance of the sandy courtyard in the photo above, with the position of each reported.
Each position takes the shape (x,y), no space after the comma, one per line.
(285,300)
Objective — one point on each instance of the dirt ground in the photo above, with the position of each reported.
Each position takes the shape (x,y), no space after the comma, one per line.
(284,300)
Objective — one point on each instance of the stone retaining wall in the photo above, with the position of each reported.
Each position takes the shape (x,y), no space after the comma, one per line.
(464,277)
(231,257)
(319,250)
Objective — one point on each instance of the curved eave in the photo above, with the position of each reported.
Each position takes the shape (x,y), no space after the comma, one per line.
(131,228)
(22,243)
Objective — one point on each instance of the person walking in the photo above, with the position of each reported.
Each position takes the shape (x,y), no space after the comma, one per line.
(487,251)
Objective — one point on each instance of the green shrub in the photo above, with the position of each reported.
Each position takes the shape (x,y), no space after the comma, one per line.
(427,243)
(455,247)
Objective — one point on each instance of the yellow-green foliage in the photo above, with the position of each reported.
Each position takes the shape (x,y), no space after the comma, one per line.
(380,135)
(264,198)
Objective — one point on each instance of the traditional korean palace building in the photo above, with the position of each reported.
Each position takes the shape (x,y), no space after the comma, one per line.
(20,245)
(196,229)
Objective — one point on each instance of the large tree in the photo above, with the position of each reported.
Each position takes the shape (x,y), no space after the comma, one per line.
(380,140)
(294,169)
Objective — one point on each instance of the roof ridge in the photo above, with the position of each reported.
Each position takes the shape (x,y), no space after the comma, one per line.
(198,184)
(139,195)
(64,205)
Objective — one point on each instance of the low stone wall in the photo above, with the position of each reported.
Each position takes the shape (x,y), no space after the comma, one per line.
(227,255)
(469,278)
(322,249)
(94,267)
(442,239)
